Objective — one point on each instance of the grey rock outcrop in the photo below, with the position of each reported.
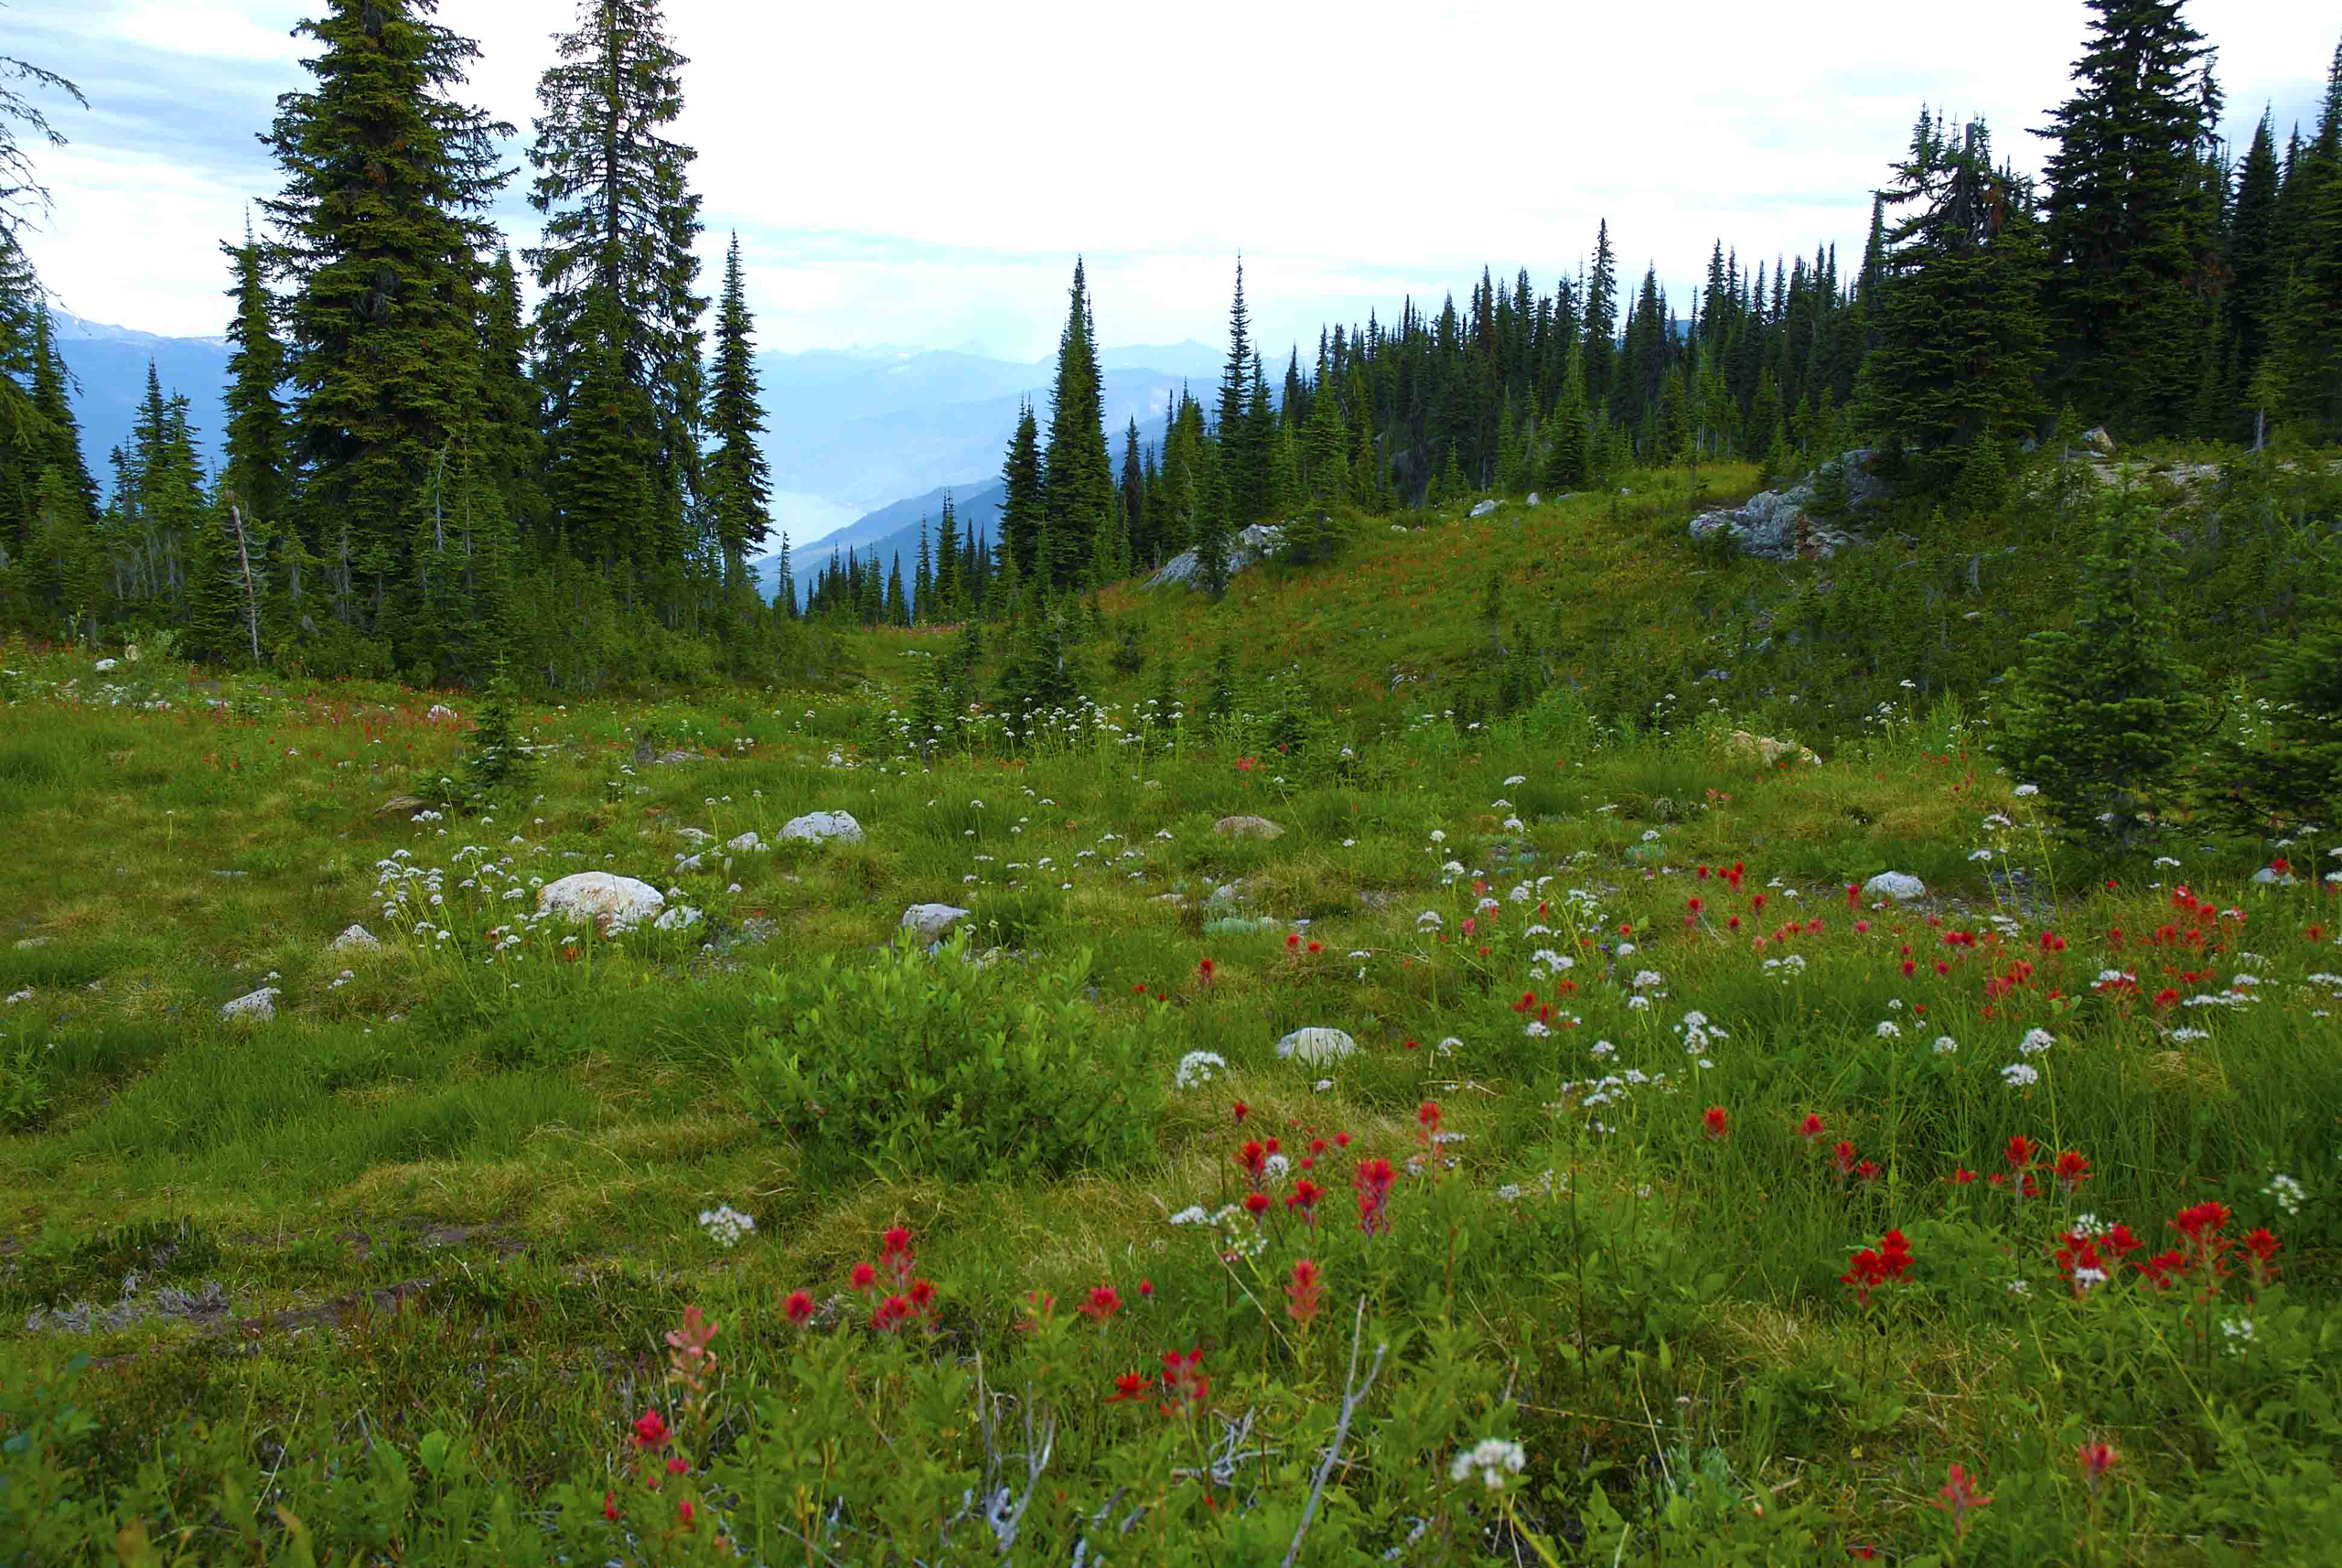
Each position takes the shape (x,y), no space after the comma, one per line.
(1780,525)
(1249,548)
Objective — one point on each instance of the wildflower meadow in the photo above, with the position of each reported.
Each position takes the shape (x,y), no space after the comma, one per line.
(1146,1137)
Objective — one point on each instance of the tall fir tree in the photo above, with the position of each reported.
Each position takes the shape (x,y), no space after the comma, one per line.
(1133,498)
(1601,316)
(1022,507)
(1957,314)
(2128,230)
(379,228)
(511,441)
(1077,479)
(739,480)
(1243,451)
(950,579)
(618,325)
(256,472)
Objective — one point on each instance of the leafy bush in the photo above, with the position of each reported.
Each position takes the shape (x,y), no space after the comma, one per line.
(955,1067)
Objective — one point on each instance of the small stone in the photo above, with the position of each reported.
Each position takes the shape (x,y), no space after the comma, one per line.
(1247,828)
(105,666)
(695,836)
(932,922)
(356,938)
(402,806)
(1316,1046)
(1536,500)
(1898,885)
(682,917)
(822,826)
(1487,508)
(24,995)
(256,1006)
(746,843)
(612,903)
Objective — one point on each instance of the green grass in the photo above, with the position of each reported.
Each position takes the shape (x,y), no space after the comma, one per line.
(450,1196)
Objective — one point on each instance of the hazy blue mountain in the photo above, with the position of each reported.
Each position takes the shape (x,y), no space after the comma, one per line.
(905,428)
(891,527)
(109,365)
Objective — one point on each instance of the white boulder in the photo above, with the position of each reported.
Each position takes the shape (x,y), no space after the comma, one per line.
(356,938)
(822,826)
(611,902)
(1895,885)
(1316,1046)
(1485,508)
(1247,828)
(932,921)
(746,843)
(255,1007)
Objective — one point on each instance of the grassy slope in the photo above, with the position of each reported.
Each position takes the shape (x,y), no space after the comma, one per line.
(535,1137)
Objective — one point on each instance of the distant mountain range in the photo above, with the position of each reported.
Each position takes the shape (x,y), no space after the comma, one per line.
(847,431)
(109,367)
(890,529)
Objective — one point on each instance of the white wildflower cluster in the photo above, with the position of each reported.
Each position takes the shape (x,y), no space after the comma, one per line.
(725,1225)
(1889,1029)
(1945,1045)
(1492,1459)
(1699,1037)
(2020,1075)
(1197,1068)
(2290,1194)
(2236,1332)
(2035,1041)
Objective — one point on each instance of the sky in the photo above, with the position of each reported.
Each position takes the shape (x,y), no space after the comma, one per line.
(922,174)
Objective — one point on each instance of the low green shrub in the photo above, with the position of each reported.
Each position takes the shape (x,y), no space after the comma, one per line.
(953,1067)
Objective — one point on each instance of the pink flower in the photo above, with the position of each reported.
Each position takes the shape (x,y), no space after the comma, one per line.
(1714,1120)
(1102,1303)
(1305,1291)
(798,1308)
(1959,1497)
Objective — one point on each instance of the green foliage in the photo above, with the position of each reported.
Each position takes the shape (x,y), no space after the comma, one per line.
(497,758)
(2100,715)
(953,1067)
(2291,772)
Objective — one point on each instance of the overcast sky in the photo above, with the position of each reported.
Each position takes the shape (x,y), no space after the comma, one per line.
(921,174)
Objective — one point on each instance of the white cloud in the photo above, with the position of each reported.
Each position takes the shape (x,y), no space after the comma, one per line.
(923,173)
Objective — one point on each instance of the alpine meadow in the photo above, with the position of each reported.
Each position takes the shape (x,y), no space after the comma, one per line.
(1684,919)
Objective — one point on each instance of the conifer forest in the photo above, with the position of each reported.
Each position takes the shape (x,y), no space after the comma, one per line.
(1737,884)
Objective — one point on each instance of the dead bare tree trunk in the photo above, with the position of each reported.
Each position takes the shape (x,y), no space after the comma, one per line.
(252,599)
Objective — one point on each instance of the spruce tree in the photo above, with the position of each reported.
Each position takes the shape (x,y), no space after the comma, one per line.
(378,257)
(1022,507)
(510,440)
(950,584)
(1133,499)
(617,327)
(256,474)
(923,581)
(2128,230)
(2255,262)
(739,481)
(1243,455)
(1077,480)
(1961,336)
(1601,316)
(2099,716)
